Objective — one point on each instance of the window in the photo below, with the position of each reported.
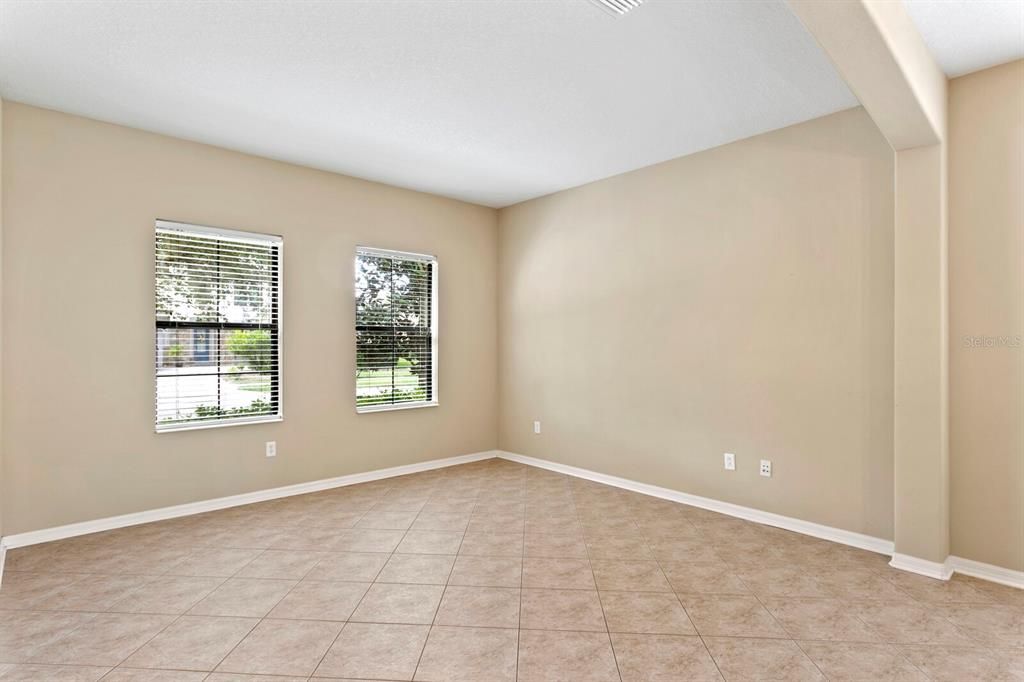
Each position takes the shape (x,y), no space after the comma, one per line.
(218,334)
(396,330)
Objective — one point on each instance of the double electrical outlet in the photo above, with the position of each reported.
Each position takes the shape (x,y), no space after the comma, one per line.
(730,464)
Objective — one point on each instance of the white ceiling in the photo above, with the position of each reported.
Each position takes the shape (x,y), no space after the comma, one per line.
(968,35)
(491,102)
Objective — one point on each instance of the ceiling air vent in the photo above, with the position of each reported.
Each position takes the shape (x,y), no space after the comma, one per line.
(617,7)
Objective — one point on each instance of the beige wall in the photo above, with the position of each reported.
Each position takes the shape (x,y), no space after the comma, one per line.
(1,321)
(986,243)
(80,199)
(761,323)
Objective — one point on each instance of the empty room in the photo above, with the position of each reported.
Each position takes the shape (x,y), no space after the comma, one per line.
(511,340)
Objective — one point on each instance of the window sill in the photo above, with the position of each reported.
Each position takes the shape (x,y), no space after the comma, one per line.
(220,424)
(391,408)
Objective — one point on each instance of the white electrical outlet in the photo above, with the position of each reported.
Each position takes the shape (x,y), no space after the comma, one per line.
(536,427)
(271,448)
(766,467)
(730,461)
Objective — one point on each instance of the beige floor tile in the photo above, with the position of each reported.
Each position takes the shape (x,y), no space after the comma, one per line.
(558,573)
(243,597)
(312,538)
(492,544)
(375,651)
(657,658)
(388,603)
(619,548)
(636,576)
(555,546)
(744,658)
(857,583)
(430,542)
(206,561)
(956,664)
(561,610)
(277,563)
(192,643)
(1000,594)
(422,569)
(546,656)
(23,632)
(122,674)
(282,647)
(819,619)
(730,616)
(691,548)
(909,623)
(500,522)
(990,625)
(538,522)
(645,612)
(320,600)
(92,593)
(367,540)
(782,581)
(943,591)
(22,590)
(850,661)
(169,594)
(387,520)
(453,506)
(469,655)
(586,556)
(107,639)
(51,673)
(239,677)
(483,571)
(351,566)
(702,578)
(446,521)
(479,607)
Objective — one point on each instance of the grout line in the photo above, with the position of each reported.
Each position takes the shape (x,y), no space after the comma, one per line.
(590,562)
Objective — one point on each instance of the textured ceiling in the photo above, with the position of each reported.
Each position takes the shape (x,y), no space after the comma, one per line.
(491,102)
(967,35)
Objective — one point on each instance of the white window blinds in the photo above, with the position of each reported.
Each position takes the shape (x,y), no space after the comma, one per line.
(396,330)
(218,335)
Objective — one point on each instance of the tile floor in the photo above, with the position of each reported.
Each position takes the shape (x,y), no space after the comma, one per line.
(487,572)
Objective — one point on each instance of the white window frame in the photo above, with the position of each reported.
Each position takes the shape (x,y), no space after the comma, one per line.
(405,255)
(262,238)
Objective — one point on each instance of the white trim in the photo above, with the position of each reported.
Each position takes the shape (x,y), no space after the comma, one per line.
(391,407)
(931,569)
(391,253)
(990,572)
(237,235)
(3,558)
(164,513)
(218,423)
(845,537)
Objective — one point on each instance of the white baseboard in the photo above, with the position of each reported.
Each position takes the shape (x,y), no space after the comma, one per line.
(995,574)
(164,513)
(817,530)
(941,571)
(932,569)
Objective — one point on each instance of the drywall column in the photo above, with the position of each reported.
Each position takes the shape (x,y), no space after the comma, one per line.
(921,420)
(883,59)
(1,336)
